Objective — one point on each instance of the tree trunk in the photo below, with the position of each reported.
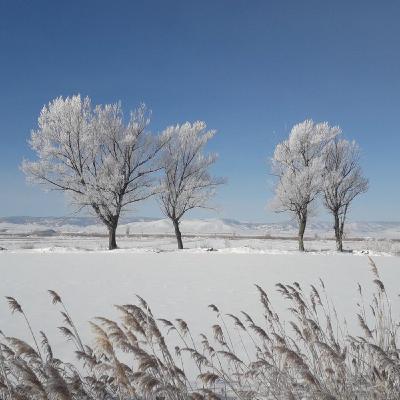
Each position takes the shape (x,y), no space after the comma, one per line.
(111,222)
(338,232)
(302,228)
(112,243)
(178,234)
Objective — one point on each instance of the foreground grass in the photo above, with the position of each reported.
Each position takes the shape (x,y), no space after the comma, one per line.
(311,356)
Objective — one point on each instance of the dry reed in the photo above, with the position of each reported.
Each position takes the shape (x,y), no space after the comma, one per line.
(312,356)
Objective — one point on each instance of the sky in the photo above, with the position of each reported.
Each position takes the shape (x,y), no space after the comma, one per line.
(250,69)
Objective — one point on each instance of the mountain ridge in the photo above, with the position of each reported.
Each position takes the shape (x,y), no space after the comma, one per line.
(148,225)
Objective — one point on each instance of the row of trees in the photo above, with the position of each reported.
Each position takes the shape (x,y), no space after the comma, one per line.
(316,162)
(107,164)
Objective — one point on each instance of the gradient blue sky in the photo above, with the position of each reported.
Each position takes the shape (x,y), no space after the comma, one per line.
(250,69)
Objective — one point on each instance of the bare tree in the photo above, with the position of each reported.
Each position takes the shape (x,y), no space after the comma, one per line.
(342,182)
(297,162)
(91,154)
(186,182)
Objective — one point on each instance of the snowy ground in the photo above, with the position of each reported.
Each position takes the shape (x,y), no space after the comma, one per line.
(193,244)
(154,235)
(47,226)
(175,284)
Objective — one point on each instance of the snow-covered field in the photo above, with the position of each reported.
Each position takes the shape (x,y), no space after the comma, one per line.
(47,226)
(42,255)
(175,284)
(193,244)
(227,236)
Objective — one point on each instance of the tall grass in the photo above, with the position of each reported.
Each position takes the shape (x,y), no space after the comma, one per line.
(309,356)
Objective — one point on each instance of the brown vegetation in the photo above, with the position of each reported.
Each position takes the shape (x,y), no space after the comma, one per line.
(312,356)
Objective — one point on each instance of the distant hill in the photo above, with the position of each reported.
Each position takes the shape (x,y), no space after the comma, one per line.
(62,221)
(45,226)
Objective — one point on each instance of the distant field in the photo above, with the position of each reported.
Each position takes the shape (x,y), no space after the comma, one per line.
(225,235)
(225,243)
(47,226)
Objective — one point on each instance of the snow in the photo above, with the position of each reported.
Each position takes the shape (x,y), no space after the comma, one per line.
(88,225)
(193,244)
(176,284)
(220,267)
(146,235)
(221,262)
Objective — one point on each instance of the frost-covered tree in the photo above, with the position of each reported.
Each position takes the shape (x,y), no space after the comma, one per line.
(342,181)
(186,182)
(90,153)
(298,164)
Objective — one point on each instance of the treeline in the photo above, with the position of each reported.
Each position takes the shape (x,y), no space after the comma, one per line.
(316,162)
(106,164)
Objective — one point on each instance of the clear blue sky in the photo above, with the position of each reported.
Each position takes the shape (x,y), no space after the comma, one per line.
(250,69)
